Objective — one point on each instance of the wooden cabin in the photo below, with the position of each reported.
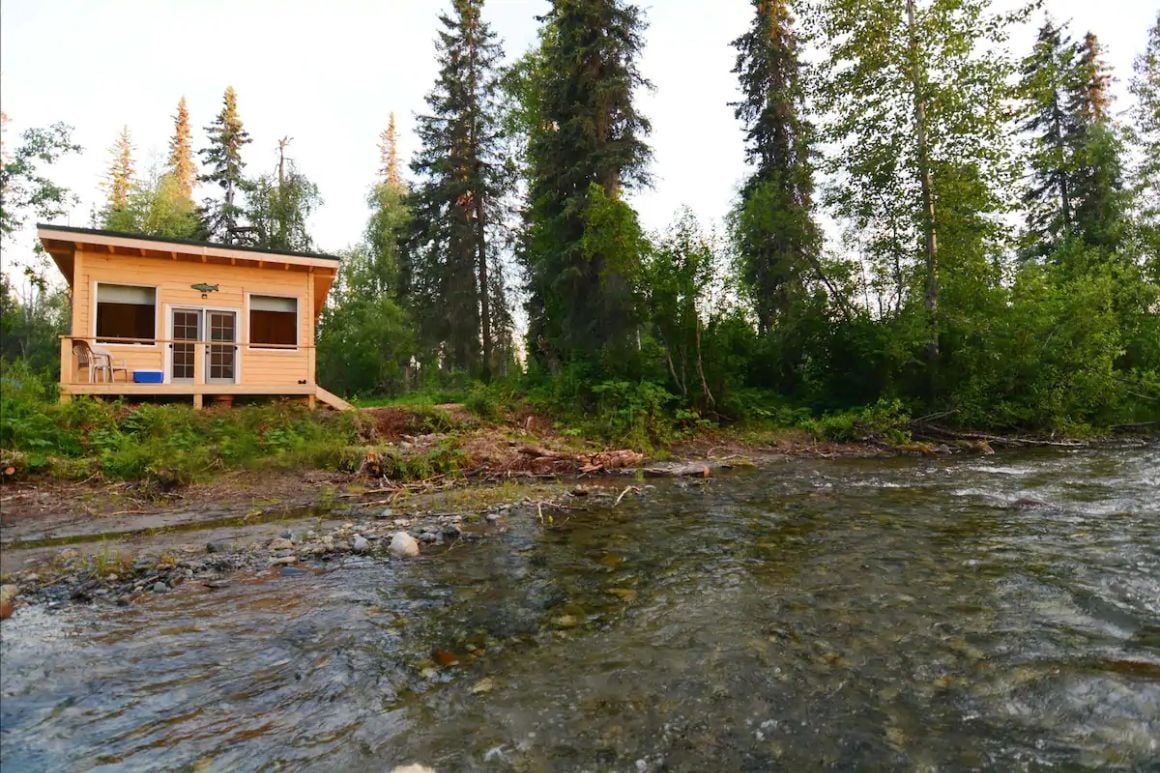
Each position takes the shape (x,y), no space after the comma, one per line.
(169,317)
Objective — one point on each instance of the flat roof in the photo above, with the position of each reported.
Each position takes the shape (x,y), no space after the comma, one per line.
(185,242)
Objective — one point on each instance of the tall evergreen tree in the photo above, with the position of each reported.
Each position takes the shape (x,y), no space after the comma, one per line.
(223,160)
(1145,87)
(776,235)
(458,201)
(388,269)
(119,178)
(1047,87)
(583,246)
(1102,200)
(1075,158)
(389,154)
(180,163)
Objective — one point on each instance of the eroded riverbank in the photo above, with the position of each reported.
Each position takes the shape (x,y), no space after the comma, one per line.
(960,613)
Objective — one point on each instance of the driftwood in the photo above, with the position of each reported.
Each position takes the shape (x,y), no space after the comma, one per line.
(541,458)
(925,431)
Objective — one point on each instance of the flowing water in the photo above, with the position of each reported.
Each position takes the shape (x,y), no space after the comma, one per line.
(861,613)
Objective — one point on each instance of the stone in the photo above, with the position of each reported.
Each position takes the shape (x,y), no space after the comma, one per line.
(386,512)
(8,594)
(69,554)
(360,544)
(404,545)
(281,543)
(288,535)
(493,517)
(328,541)
(485,685)
(217,547)
(414,767)
(452,531)
(284,560)
(160,587)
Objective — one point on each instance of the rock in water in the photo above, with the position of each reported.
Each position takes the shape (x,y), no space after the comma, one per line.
(8,594)
(360,544)
(404,545)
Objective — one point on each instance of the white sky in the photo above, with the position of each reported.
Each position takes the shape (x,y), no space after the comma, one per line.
(328,73)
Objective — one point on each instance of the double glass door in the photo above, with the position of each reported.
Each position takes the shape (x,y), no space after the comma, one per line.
(219,330)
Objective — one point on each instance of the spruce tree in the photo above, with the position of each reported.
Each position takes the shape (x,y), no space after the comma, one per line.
(1047,85)
(582,245)
(1101,197)
(119,179)
(389,155)
(223,160)
(457,201)
(1075,157)
(280,204)
(388,270)
(1145,87)
(774,228)
(180,163)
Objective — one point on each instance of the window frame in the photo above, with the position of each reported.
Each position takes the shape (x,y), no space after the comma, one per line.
(284,348)
(96,289)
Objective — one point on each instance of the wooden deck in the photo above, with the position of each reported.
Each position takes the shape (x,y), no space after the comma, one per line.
(198,392)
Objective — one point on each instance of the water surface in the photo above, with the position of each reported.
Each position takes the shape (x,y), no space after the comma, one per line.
(860,613)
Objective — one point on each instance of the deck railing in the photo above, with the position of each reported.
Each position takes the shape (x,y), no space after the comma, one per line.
(70,370)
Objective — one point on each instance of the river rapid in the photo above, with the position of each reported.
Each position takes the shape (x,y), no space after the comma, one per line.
(868,613)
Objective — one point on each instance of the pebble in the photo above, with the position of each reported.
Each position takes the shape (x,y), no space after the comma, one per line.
(451,531)
(360,544)
(485,685)
(492,517)
(281,543)
(284,560)
(404,545)
(385,513)
(160,587)
(216,547)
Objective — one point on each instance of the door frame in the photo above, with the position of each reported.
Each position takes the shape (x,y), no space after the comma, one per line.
(204,312)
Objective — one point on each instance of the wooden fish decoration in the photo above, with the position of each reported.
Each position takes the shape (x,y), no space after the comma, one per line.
(204,288)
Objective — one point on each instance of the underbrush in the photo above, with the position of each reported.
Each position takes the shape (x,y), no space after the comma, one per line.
(166,445)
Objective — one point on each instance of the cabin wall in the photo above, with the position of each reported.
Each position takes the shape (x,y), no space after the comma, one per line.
(173,280)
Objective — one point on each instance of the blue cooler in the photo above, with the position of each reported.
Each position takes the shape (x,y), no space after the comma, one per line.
(148,377)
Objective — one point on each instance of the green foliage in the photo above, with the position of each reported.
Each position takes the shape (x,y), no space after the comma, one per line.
(279,205)
(166,444)
(156,209)
(455,281)
(581,246)
(225,169)
(884,421)
(23,186)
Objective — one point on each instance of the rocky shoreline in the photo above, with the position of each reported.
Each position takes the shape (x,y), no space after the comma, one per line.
(115,578)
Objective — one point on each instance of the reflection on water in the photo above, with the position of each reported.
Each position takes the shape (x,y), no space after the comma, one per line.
(862,613)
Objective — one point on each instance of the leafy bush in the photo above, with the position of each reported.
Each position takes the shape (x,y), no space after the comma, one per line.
(886,421)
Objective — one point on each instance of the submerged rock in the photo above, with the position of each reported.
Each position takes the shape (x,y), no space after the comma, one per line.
(404,545)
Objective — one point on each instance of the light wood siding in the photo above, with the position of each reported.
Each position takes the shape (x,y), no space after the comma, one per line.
(173,280)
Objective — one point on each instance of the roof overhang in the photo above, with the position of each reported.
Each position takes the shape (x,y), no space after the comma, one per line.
(63,243)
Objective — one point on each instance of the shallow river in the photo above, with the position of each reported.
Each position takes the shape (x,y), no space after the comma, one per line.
(845,614)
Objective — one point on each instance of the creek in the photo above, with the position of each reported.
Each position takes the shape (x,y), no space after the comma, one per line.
(868,613)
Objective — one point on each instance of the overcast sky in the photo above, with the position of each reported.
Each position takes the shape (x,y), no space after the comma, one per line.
(328,74)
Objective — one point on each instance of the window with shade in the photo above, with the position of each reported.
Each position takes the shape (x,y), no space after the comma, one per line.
(273,321)
(126,311)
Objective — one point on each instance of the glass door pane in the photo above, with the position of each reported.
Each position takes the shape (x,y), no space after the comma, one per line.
(186,327)
(222,356)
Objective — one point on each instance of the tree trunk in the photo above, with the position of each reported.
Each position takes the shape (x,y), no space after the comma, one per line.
(927,185)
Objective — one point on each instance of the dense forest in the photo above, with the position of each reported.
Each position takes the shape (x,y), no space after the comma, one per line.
(931,223)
